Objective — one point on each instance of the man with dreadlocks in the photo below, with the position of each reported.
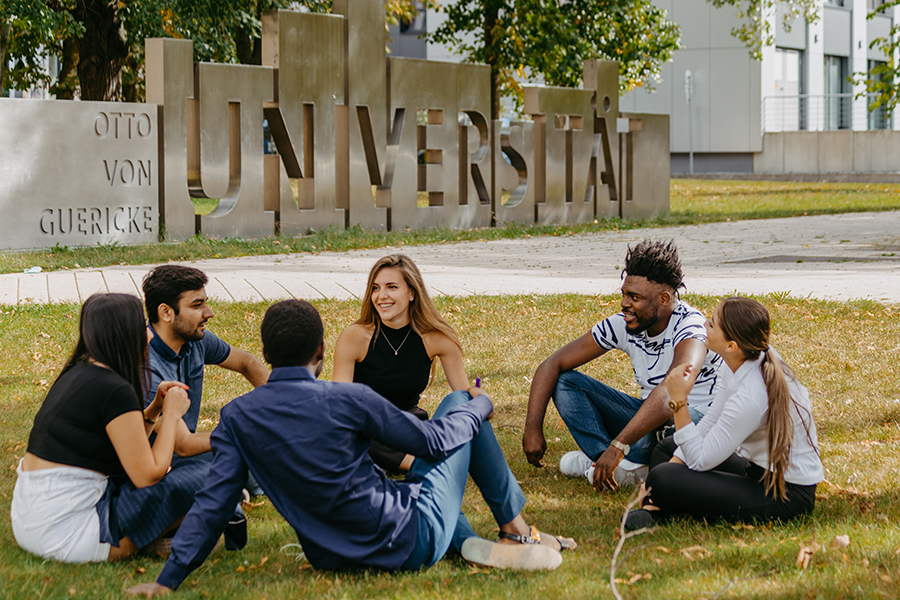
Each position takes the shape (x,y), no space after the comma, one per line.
(658,331)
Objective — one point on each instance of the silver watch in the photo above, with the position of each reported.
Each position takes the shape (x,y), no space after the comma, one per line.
(625,448)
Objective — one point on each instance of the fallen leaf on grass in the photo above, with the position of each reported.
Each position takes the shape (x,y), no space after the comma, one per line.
(739,526)
(841,541)
(140,570)
(806,554)
(667,551)
(886,578)
(692,551)
(865,505)
(240,569)
(264,560)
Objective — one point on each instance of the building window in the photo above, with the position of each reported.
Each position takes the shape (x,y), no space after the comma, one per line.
(837,95)
(786,111)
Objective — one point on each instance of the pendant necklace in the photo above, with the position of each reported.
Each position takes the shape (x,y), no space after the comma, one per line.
(397,349)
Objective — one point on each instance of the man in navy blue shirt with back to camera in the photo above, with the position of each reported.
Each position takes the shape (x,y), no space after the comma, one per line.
(307,440)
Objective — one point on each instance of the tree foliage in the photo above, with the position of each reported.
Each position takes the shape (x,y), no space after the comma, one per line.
(524,40)
(881,81)
(101,42)
(28,30)
(756,29)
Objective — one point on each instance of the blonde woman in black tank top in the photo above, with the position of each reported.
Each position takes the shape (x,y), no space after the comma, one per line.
(393,344)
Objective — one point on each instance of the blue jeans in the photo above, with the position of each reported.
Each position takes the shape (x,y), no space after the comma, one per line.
(596,413)
(441,524)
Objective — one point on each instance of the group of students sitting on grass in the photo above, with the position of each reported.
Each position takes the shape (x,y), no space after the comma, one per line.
(115,465)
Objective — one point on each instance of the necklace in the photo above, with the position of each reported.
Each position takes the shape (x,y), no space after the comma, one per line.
(397,349)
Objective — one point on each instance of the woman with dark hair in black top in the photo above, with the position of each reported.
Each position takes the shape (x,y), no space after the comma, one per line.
(91,426)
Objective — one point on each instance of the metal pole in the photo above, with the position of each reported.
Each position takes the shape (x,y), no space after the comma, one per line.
(688,93)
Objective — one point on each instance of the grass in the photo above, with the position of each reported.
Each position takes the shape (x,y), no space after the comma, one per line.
(844,352)
(692,201)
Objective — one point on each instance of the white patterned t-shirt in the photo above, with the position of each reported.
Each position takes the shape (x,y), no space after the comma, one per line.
(651,357)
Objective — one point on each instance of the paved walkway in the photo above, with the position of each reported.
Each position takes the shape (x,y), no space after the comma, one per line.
(838,257)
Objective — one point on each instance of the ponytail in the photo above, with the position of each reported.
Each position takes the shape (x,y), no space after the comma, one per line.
(747,323)
(779,424)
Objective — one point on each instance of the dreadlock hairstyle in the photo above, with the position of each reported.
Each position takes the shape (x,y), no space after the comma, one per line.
(657,261)
(422,313)
(747,323)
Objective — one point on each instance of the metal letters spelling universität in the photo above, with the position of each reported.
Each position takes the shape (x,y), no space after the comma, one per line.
(362,138)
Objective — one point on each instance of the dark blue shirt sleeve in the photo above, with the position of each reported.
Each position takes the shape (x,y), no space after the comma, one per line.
(212,508)
(214,350)
(431,440)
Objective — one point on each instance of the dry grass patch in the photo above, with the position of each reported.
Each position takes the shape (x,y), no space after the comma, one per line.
(844,352)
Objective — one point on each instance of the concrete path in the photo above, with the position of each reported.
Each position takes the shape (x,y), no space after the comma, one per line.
(831,257)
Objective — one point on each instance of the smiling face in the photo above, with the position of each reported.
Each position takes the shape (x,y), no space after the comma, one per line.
(391,297)
(642,301)
(193,313)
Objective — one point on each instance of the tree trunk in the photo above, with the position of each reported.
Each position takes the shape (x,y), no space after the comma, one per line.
(248,50)
(491,13)
(102,50)
(4,45)
(67,82)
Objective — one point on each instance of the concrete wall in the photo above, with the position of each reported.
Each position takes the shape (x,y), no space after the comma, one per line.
(829,152)
(650,180)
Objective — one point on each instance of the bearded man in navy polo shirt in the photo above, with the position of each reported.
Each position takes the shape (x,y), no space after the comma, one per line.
(180,347)
(175,297)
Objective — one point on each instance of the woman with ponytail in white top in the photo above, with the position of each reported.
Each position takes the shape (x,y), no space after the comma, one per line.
(761,410)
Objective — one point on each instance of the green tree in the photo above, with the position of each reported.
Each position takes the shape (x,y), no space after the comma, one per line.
(527,39)
(101,42)
(29,29)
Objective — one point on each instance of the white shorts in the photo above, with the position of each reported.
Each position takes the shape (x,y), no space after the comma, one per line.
(54,513)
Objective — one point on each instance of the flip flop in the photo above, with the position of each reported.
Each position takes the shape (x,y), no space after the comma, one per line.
(527,557)
(535,538)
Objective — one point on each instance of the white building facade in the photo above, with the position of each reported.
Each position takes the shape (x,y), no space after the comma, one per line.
(799,88)
(800,85)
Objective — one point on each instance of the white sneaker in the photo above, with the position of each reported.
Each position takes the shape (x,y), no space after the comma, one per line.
(629,474)
(575,464)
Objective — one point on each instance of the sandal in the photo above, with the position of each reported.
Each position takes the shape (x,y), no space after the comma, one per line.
(535,538)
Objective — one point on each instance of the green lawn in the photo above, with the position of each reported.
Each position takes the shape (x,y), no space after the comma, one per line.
(846,353)
(692,201)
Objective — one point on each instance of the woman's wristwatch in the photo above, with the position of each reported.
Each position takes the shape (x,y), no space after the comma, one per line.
(676,405)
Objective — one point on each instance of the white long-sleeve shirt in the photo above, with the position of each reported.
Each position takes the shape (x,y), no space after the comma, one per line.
(736,420)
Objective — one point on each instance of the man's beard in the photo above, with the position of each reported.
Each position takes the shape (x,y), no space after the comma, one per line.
(185,331)
(643,324)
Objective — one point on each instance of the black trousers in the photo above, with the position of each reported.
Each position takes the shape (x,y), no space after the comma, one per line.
(732,491)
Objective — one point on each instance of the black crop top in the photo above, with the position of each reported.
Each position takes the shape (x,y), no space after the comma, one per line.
(70,427)
(398,370)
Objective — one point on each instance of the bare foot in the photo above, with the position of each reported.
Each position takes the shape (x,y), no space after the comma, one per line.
(545,539)
(558,543)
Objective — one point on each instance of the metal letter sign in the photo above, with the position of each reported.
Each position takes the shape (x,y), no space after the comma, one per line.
(77,173)
(361,138)
(302,118)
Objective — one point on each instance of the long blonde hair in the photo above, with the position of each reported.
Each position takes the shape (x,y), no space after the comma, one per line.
(422,313)
(747,323)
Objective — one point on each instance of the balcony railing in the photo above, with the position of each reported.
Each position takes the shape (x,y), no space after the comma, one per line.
(820,113)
